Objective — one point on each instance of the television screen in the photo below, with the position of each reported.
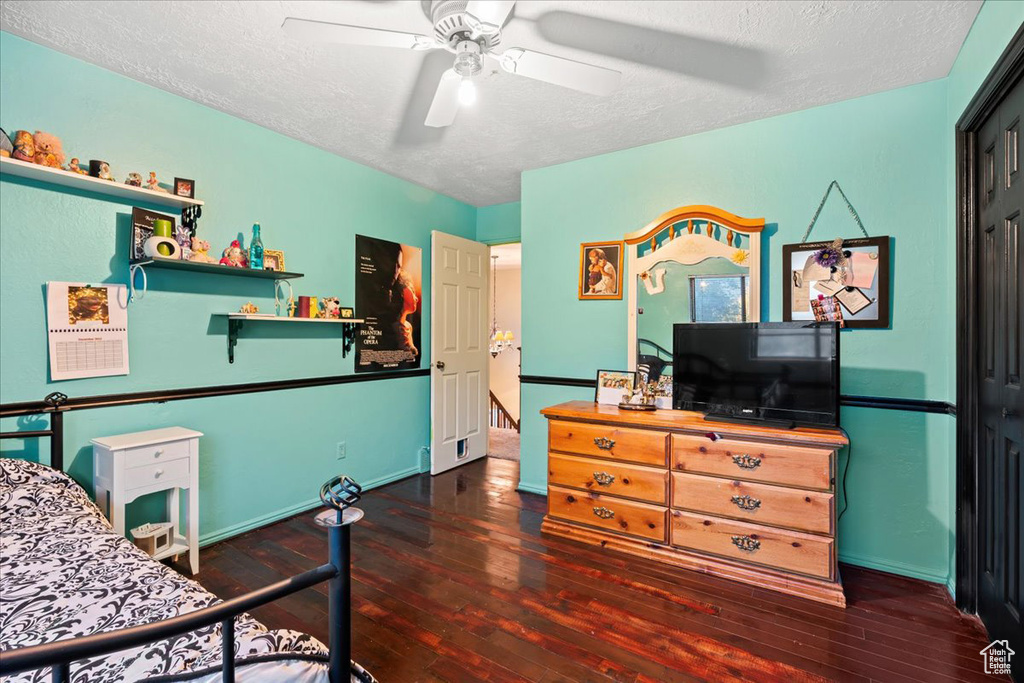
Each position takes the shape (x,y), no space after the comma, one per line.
(758,371)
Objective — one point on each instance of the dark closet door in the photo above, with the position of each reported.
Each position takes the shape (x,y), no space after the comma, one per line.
(1000,398)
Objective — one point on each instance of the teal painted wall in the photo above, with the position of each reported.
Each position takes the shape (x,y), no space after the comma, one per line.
(993,28)
(885,151)
(498,223)
(263,455)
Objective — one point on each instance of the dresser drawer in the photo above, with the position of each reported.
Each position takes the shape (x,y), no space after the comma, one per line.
(608,512)
(753,461)
(148,455)
(752,502)
(789,550)
(607,476)
(156,473)
(608,441)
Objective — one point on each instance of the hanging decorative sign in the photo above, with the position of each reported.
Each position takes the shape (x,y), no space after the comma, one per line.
(842,280)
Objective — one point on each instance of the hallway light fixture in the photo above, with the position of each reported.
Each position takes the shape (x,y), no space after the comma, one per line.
(500,341)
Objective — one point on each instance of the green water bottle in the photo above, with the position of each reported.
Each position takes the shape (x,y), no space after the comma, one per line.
(256,249)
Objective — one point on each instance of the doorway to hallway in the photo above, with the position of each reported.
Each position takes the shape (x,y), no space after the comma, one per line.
(506,351)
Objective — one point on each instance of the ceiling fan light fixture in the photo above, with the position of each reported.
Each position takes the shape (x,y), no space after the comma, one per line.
(467,92)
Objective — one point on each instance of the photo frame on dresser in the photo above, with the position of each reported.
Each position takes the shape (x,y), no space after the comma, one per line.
(612,384)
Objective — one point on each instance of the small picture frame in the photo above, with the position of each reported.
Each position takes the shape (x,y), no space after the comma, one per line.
(273,260)
(612,384)
(600,270)
(348,312)
(184,187)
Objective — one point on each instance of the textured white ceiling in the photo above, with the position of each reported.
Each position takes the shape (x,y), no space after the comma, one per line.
(687,67)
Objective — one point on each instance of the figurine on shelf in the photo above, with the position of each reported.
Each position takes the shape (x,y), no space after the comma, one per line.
(291,307)
(154,184)
(314,308)
(49,151)
(24,146)
(5,144)
(234,256)
(134,179)
(331,308)
(74,168)
(249,308)
(100,169)
(199,248)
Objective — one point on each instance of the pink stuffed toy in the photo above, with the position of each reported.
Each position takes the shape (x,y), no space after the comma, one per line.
(49,151)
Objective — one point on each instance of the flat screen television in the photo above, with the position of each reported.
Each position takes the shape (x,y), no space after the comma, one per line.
(765,372)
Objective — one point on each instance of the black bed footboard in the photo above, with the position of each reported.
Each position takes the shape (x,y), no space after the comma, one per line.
(339,494)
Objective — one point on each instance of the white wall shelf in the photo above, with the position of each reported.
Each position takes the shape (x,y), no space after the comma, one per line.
(236,320)
(87,183)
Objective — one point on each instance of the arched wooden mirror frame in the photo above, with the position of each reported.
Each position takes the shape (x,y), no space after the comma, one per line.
(692,220)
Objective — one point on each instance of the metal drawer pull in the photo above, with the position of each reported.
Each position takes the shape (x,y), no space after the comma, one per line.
(158,474)
(746,543)
(603,478)
(604,443)
(604,513)
(157,454)
(747,462)
(746,502)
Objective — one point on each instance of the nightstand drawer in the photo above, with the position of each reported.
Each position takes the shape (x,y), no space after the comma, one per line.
(607,476)
(608,512)
(607,441)
(157,473)
(753,461)
(751,502)
(149,455)
(789,550)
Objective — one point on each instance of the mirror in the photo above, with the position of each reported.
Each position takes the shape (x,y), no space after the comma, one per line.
(695,264)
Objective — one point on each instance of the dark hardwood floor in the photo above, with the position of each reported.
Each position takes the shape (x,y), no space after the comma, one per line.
(452,581)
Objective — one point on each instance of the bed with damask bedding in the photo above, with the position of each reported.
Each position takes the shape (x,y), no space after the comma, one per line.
(65,574)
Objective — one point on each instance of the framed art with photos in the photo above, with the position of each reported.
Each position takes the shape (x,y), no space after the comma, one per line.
(612,384)
(848,284)
(273,260)
(600,270)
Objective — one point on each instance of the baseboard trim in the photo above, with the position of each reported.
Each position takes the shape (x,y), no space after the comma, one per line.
(895,567)
(951,587)
(532,488)
(292,510)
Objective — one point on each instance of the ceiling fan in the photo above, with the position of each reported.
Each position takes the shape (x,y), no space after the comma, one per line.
(471,30)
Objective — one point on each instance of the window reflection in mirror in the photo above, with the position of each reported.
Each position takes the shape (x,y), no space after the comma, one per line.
(718,298)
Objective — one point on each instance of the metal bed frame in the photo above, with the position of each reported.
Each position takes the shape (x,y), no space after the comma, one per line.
(339,494)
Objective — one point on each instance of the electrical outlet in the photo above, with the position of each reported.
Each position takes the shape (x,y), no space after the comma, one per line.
(342,450)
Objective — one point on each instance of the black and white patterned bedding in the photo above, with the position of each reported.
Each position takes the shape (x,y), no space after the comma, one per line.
(65,573)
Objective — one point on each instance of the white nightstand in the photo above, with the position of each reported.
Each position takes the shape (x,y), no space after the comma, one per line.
(131,465)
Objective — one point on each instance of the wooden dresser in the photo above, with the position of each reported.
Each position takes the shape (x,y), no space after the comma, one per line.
(749,503)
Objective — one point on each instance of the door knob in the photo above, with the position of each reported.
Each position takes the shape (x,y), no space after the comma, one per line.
(1008,413)
(439,365)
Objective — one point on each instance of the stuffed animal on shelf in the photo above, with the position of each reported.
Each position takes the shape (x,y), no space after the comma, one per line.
(331,308)
(134,179)
(49,151)
(73,168)
(249,308)
(234,256)
(24,146)
(199,249)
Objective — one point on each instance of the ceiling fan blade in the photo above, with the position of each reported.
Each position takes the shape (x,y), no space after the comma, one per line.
(327,32)
(446,101)
(567,73)
(490,14)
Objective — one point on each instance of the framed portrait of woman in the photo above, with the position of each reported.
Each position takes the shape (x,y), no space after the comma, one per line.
(601,270)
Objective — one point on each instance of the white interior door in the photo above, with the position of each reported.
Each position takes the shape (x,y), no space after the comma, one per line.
(458,351)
